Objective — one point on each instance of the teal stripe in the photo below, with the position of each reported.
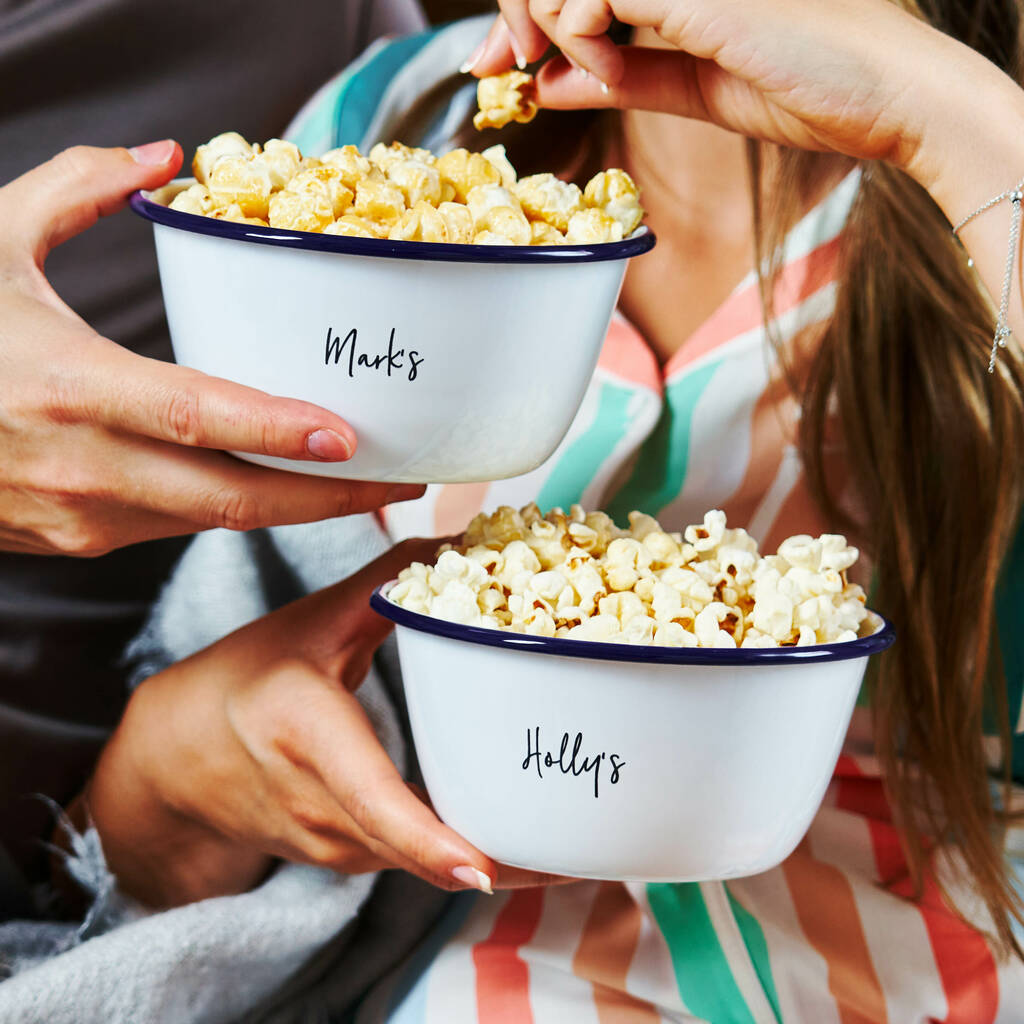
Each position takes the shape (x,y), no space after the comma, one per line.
(583,458)
(358,103)
(757,947)
(661,468)
(313,133)
(408,1003)
(702,971)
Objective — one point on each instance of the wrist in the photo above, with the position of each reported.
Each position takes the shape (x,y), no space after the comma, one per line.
(969,144)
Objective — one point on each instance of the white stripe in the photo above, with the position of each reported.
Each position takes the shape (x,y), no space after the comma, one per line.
(716,899)
(789,473)
(451,991)
(556,994)
(735,388)
(894,929)
(822,222)
(800,973)
(652,975)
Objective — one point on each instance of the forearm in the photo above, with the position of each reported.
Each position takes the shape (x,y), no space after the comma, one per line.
(971,149)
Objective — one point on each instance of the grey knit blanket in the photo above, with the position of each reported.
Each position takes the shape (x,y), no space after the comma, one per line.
(214,960)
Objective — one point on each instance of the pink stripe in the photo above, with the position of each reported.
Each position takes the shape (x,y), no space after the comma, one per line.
(502,976)
(626,355)
(456,505)
(964,961)
(742,311)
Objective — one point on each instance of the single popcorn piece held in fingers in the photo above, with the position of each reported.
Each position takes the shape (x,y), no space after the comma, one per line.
(503,98)
(579,576)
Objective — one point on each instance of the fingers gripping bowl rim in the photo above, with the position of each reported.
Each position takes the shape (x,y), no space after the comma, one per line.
(625,762)
(438,355)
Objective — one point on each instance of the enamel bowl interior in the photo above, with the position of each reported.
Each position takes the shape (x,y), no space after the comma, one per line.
(621,762)
(452,362)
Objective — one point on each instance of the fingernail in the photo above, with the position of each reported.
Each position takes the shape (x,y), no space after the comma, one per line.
(153,154)
(471,876)
(328,445)
(403,492)
(474,58)
(517,51)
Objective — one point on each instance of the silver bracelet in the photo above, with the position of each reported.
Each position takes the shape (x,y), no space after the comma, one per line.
(1015,195)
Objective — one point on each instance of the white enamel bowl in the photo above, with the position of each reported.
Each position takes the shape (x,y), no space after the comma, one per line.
(690,764)
(491,347)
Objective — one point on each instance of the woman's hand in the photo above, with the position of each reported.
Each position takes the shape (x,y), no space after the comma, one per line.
(256,748)
(859,77)
(103,448)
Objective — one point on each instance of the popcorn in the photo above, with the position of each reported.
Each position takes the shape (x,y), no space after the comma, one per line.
(323,182)
(547,198)
(300,211)
(464,171)
(417,181)
(615,194)
(386,156)
(590,225)
(236,178)
(352,166)
(235,213)
(423,223)
(503,98)
(497,156)
(508,222)
(458,222)
(282,160)
(353,227)
(579,576)
(403,193)
(227,144)
(195,199)
(379,201)
(542,233)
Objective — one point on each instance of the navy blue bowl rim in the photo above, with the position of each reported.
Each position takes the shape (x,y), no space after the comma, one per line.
(541,255)
(859,648)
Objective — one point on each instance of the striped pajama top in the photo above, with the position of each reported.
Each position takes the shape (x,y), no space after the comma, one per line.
(832,935)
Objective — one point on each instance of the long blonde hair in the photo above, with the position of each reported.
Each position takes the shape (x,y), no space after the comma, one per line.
(935,448)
